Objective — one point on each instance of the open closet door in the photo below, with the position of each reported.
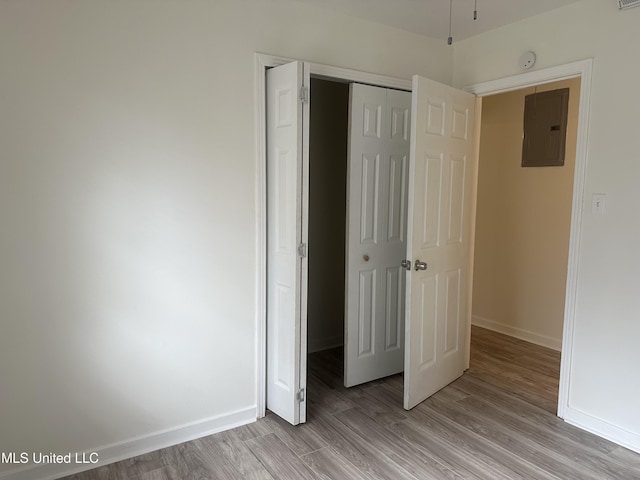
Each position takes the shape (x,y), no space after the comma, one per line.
(438,238)
(287,198)
(376,233)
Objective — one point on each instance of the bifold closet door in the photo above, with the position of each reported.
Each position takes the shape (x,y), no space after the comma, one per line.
(376,232)
(287,205)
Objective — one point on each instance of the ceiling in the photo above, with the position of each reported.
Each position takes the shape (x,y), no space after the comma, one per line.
(431,17)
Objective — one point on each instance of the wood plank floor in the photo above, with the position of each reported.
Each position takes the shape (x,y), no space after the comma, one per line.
(495,422)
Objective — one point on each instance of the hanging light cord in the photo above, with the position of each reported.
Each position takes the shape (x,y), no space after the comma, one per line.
(475,10)
(450,39)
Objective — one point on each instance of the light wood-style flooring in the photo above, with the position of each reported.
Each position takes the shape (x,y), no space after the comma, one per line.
(495,422)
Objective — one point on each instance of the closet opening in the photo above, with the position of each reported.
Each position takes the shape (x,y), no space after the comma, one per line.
(358,173)
(328,149)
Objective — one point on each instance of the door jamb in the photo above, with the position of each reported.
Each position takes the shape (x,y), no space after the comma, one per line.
(583,70)
(262,63)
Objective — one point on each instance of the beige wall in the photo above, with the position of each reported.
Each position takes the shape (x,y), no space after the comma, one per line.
(329,125)
(604,389)
(128,207)
(522,224)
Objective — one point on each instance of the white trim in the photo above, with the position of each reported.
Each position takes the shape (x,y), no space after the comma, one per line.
(582,69)
(336,73)
(262,62)
(521,333)
(304,262)
(320,344)
(603,429)
(538,77)
(261,237)
(473,213)
(349,75)
(137,446)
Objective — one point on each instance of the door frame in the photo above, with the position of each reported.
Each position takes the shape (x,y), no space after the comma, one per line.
(580,69)
(261,64)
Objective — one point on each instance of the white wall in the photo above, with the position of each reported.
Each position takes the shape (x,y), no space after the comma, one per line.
(127,205)
(605,384)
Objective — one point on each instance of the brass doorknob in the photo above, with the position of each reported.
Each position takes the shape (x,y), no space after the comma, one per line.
(365,257)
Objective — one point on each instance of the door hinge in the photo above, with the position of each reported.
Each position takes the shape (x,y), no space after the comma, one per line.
(302,250)
(304,94)
(300,395)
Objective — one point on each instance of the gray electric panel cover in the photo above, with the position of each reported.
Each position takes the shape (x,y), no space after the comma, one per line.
(545,128)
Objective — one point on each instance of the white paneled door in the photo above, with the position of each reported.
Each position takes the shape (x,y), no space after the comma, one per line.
(439,238)
(376,232)
(287,205)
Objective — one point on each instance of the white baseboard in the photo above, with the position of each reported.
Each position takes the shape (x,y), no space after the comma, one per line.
(603,429)
(319,344)
(137,446)
(526,335)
